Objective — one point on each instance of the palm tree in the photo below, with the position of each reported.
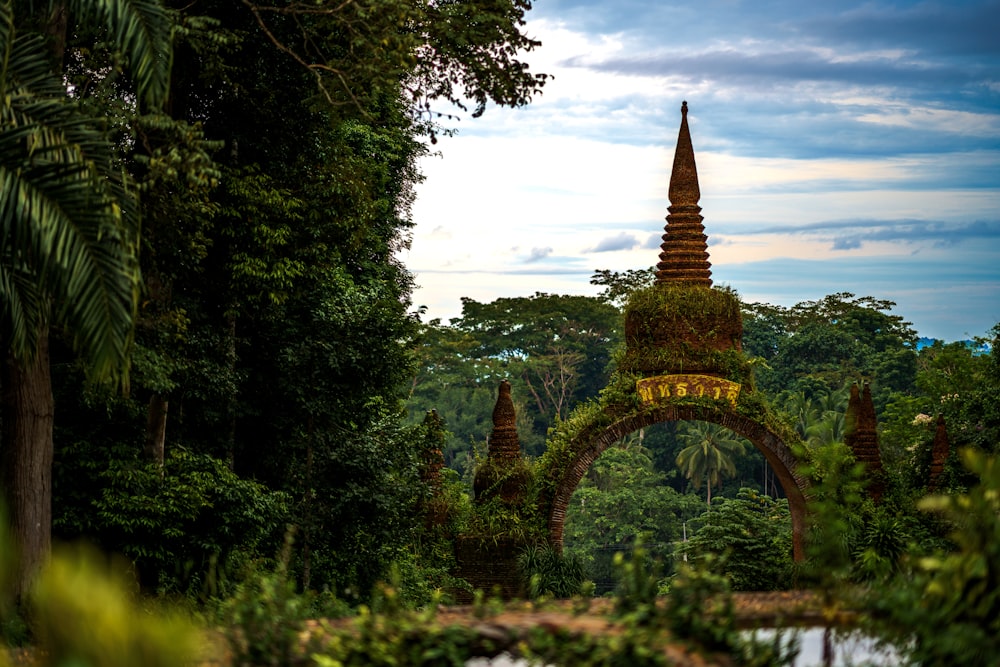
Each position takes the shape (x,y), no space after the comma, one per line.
(826,430)
(68,236)
(708,454)
(801,409)
(818,420)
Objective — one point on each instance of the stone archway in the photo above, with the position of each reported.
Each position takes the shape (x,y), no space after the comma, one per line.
(589,443)
(683,361)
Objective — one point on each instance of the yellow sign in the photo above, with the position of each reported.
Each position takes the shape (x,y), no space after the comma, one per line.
(664,387)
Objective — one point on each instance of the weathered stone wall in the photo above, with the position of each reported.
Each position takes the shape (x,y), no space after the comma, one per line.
(488,565)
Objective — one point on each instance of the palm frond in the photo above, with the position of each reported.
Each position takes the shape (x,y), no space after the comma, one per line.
(143,30)
(64,236)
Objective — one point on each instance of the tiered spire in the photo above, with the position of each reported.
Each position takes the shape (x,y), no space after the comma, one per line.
(503,474)
(684,251)
(862,438)
(504,442)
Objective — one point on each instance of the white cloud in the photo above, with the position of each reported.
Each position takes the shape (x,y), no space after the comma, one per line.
(532,199)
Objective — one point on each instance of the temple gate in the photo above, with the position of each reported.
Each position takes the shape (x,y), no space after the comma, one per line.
(683,362)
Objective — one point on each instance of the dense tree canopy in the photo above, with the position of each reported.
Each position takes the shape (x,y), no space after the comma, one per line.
(555,349)
(272,167)
(209,199)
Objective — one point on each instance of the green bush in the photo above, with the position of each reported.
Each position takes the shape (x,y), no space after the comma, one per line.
(546,572)
(754,532)
(82,611)
(189,527)
(82,614)
(947,612)
(264,620)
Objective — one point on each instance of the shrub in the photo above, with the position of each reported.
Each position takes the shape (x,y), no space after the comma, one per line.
(547,572)
(948,611)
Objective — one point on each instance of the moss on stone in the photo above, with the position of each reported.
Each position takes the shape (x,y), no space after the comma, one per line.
(684,329)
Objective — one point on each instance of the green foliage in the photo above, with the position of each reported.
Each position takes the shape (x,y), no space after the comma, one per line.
(639,578)
(81,615)
(832,341)
(264,619)
(82,611)
(622,500)
(764,327)
(643,634)
(709,454)
(669,303)
(685,328)
(947,612)
(748,539)
(451,378)
(549,573)
(556,349)
(69,223)
(817,413)
(399,639)
(189,528)
(834,517)
(698,608)
(882,546)
(495,520)
(699,605)
(618,286)
(973,415)
(424,576)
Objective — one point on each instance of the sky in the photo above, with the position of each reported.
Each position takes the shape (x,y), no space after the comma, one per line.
(840,146)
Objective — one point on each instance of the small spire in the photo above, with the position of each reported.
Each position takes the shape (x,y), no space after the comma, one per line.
(432,459)
(939,454)
(684,251)
(861,436)
(504,441)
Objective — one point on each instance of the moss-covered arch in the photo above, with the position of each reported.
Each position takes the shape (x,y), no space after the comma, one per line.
(576,443)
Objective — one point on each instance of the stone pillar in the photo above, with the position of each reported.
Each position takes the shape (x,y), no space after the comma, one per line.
(939,455)
(862,438)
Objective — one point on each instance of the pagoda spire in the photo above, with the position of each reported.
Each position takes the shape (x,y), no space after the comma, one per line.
(861,436)
(503,474)
(939,454)
(684,251)
(504,443)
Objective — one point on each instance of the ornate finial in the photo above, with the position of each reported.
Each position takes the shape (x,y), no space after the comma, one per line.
(684,256)
(684,108)
(503,412)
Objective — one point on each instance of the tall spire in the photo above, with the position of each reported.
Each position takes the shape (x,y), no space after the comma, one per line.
(684,251)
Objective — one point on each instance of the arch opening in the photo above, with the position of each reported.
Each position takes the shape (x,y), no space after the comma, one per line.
(590,445)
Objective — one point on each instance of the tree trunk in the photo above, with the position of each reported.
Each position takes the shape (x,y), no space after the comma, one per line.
(307,507)
(26,459)
(231,408)
(156,429)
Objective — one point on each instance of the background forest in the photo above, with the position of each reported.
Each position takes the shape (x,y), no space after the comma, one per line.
(690,489)
(271,375)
